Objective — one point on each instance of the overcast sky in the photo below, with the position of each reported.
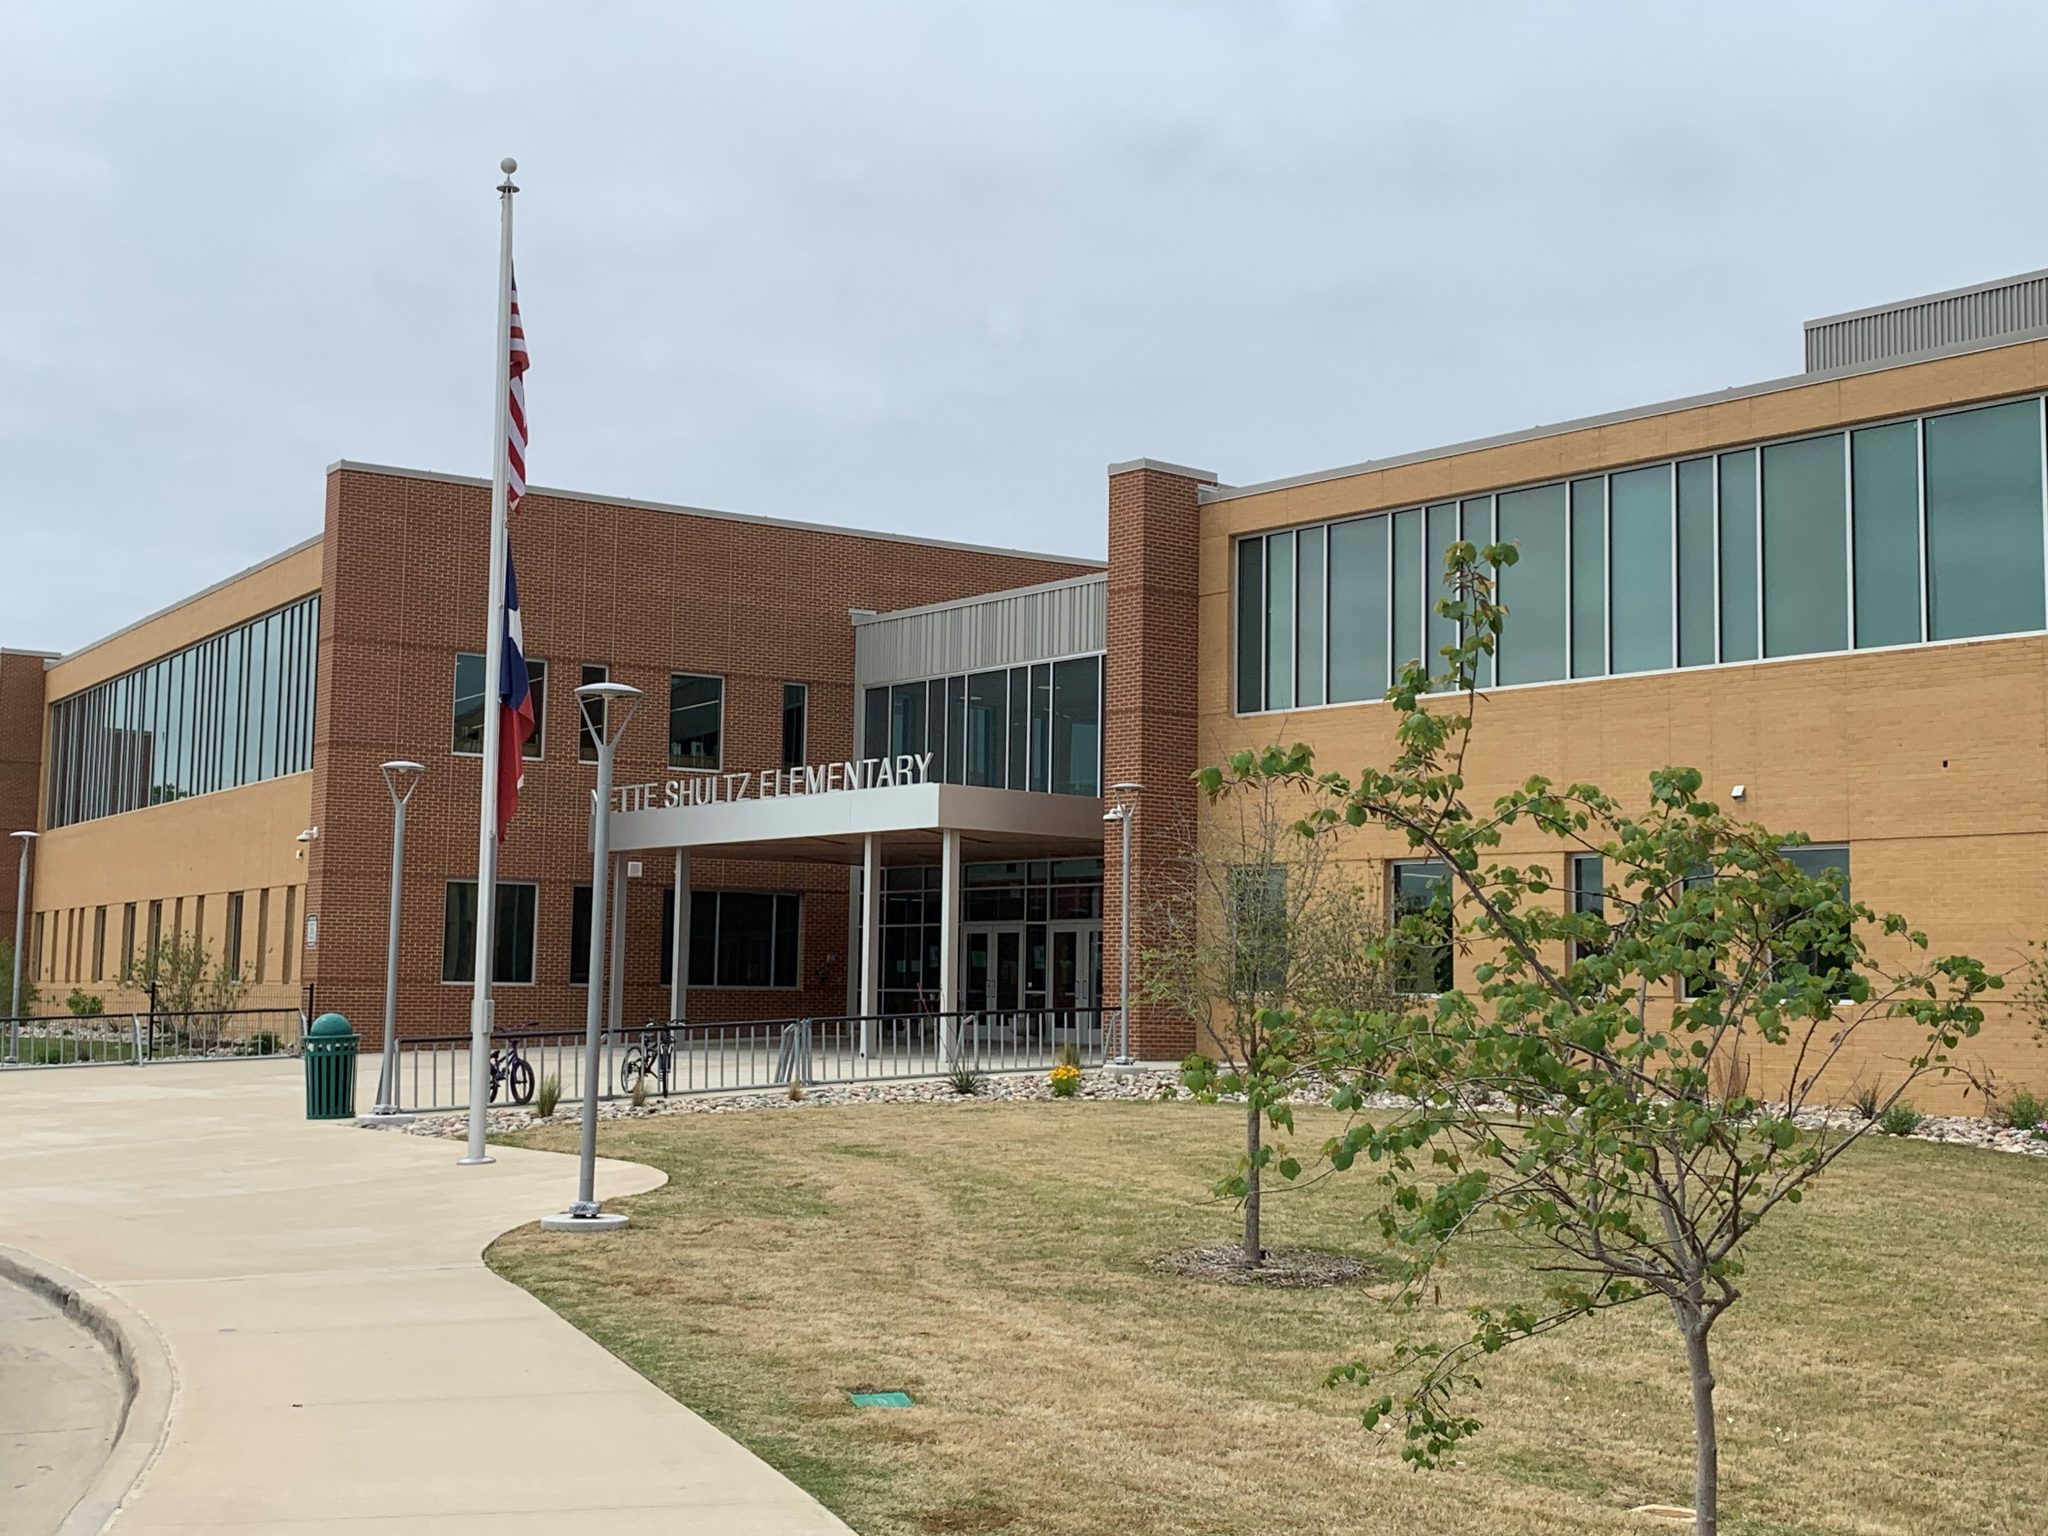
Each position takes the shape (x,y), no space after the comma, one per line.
(926,266)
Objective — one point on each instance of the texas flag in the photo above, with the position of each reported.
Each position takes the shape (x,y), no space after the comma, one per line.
(515,696)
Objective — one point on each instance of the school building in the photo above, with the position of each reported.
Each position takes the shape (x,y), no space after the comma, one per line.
(869,773)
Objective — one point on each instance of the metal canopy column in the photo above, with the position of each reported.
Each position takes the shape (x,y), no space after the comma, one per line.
(678,941)
(870,939)
(949,943)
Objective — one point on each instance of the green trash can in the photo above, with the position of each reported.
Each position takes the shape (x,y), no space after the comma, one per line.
(330,1052)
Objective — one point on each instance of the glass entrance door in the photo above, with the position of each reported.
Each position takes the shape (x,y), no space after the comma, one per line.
(994,956)
(1076,965)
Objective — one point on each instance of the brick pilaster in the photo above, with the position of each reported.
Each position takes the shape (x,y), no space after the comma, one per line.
(21,760)
(1150,705)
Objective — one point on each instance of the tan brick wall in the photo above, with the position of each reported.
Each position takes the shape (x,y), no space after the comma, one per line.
(1931,763)
(648,592)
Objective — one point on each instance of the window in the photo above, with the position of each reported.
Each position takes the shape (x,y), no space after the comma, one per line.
(290,947)
(874,736)
(1741,619)
(1884,491)
(1440,530)
(262,933)
(906,719)
(1041,725)
(744,938)
(1309,648)
(537,685)
(1639,560)
(468,737)
(696,718)
(586,738)
(1806,547)
(235,708)
(1422,908)
(35,948)
(231,941)
(1358,609)
(796,708)
(1279,621)
(1696,563)
(1019,745)
(1589,578)
(1251,605)
(511,938)
(1258,929)
(1478,525)
(955,759)
(1588,896)
(579,937)
(1533,642)
(1833,950)
(982,728)
(1077,726)
(1984,521)
(99,944)
(127,939)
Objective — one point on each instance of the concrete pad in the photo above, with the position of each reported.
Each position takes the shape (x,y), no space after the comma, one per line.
(61,1400)
(343,1360)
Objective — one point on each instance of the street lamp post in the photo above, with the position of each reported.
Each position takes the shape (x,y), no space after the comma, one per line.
(20,912)
(606,707)
(1126,807)
(401,778)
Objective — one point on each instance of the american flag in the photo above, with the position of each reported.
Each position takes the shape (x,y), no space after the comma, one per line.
(515,697)
(515,416)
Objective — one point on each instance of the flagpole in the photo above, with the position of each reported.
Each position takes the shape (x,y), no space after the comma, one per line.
(481,1006)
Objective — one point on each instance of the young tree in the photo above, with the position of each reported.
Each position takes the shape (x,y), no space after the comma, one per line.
(1259,931)
(1567,1099)
(180,976)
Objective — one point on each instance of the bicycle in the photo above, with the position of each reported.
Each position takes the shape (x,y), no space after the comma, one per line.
(512,1070)
(653,1053)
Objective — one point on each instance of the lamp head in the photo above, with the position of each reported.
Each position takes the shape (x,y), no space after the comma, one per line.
(604,704)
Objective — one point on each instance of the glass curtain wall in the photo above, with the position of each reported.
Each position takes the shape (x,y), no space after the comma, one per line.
(1921,530)
(233,709)
(1035,727)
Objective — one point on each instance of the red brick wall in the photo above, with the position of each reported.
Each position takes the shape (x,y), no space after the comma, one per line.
(21,757)
(1150,710)
(646,591)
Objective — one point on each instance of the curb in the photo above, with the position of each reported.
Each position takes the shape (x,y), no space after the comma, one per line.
(147,1379)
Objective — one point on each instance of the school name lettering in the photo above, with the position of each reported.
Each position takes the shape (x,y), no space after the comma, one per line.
(773,783)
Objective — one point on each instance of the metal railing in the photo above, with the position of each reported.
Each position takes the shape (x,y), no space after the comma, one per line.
(137,1039)
(675,1056)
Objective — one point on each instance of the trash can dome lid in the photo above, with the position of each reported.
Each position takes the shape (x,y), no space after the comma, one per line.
(329,1025)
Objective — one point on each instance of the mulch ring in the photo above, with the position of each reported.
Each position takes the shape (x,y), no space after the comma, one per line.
(1290,1269)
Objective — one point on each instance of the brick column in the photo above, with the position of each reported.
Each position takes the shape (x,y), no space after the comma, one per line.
(1149,706)
(21,766)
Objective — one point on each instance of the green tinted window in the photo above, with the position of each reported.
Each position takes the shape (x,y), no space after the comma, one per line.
(1308,626)
(1476,516)
(1738,556)
(1884,474)
(1696,563)
(1442,534)
(1806,548)
(1639,533)
(1589,578)
(1280,621)
(1407,587)
(1358,609)
(1984,521)
(1532,643)
(1251,623)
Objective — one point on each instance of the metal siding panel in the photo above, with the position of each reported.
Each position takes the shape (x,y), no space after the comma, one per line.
(976,634)
(1921,325)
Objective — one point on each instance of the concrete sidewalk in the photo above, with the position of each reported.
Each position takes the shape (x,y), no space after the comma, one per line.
(344,1362)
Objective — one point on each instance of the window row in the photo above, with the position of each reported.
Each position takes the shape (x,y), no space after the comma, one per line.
(1899,534)
(736,938)
(696,715)
(1421,890)
(109,943)
(233,709)
(1035,727)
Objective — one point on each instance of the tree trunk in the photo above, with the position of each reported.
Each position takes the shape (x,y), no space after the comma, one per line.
(1706,1477)
(1254,1254)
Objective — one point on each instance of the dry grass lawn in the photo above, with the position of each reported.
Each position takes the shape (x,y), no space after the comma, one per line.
(1886,1372)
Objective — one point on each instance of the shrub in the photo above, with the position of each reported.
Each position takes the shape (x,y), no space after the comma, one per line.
(796,1090)
(1065,1080)
(1867,1100)
(547,1096)
(265,1042)
(1068,1055)
(2024,1111)
(31,994)
(966,1081)
(84,1004)
(1902,1119)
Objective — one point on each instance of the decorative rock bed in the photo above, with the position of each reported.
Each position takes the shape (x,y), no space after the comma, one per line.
(1125,1085)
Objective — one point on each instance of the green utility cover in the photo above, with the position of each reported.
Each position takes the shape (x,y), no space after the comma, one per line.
(880,1399)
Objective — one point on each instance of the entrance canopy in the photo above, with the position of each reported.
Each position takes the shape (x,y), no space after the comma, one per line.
(833,828)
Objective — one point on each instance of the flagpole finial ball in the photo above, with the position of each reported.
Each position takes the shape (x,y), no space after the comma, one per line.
(508,165)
